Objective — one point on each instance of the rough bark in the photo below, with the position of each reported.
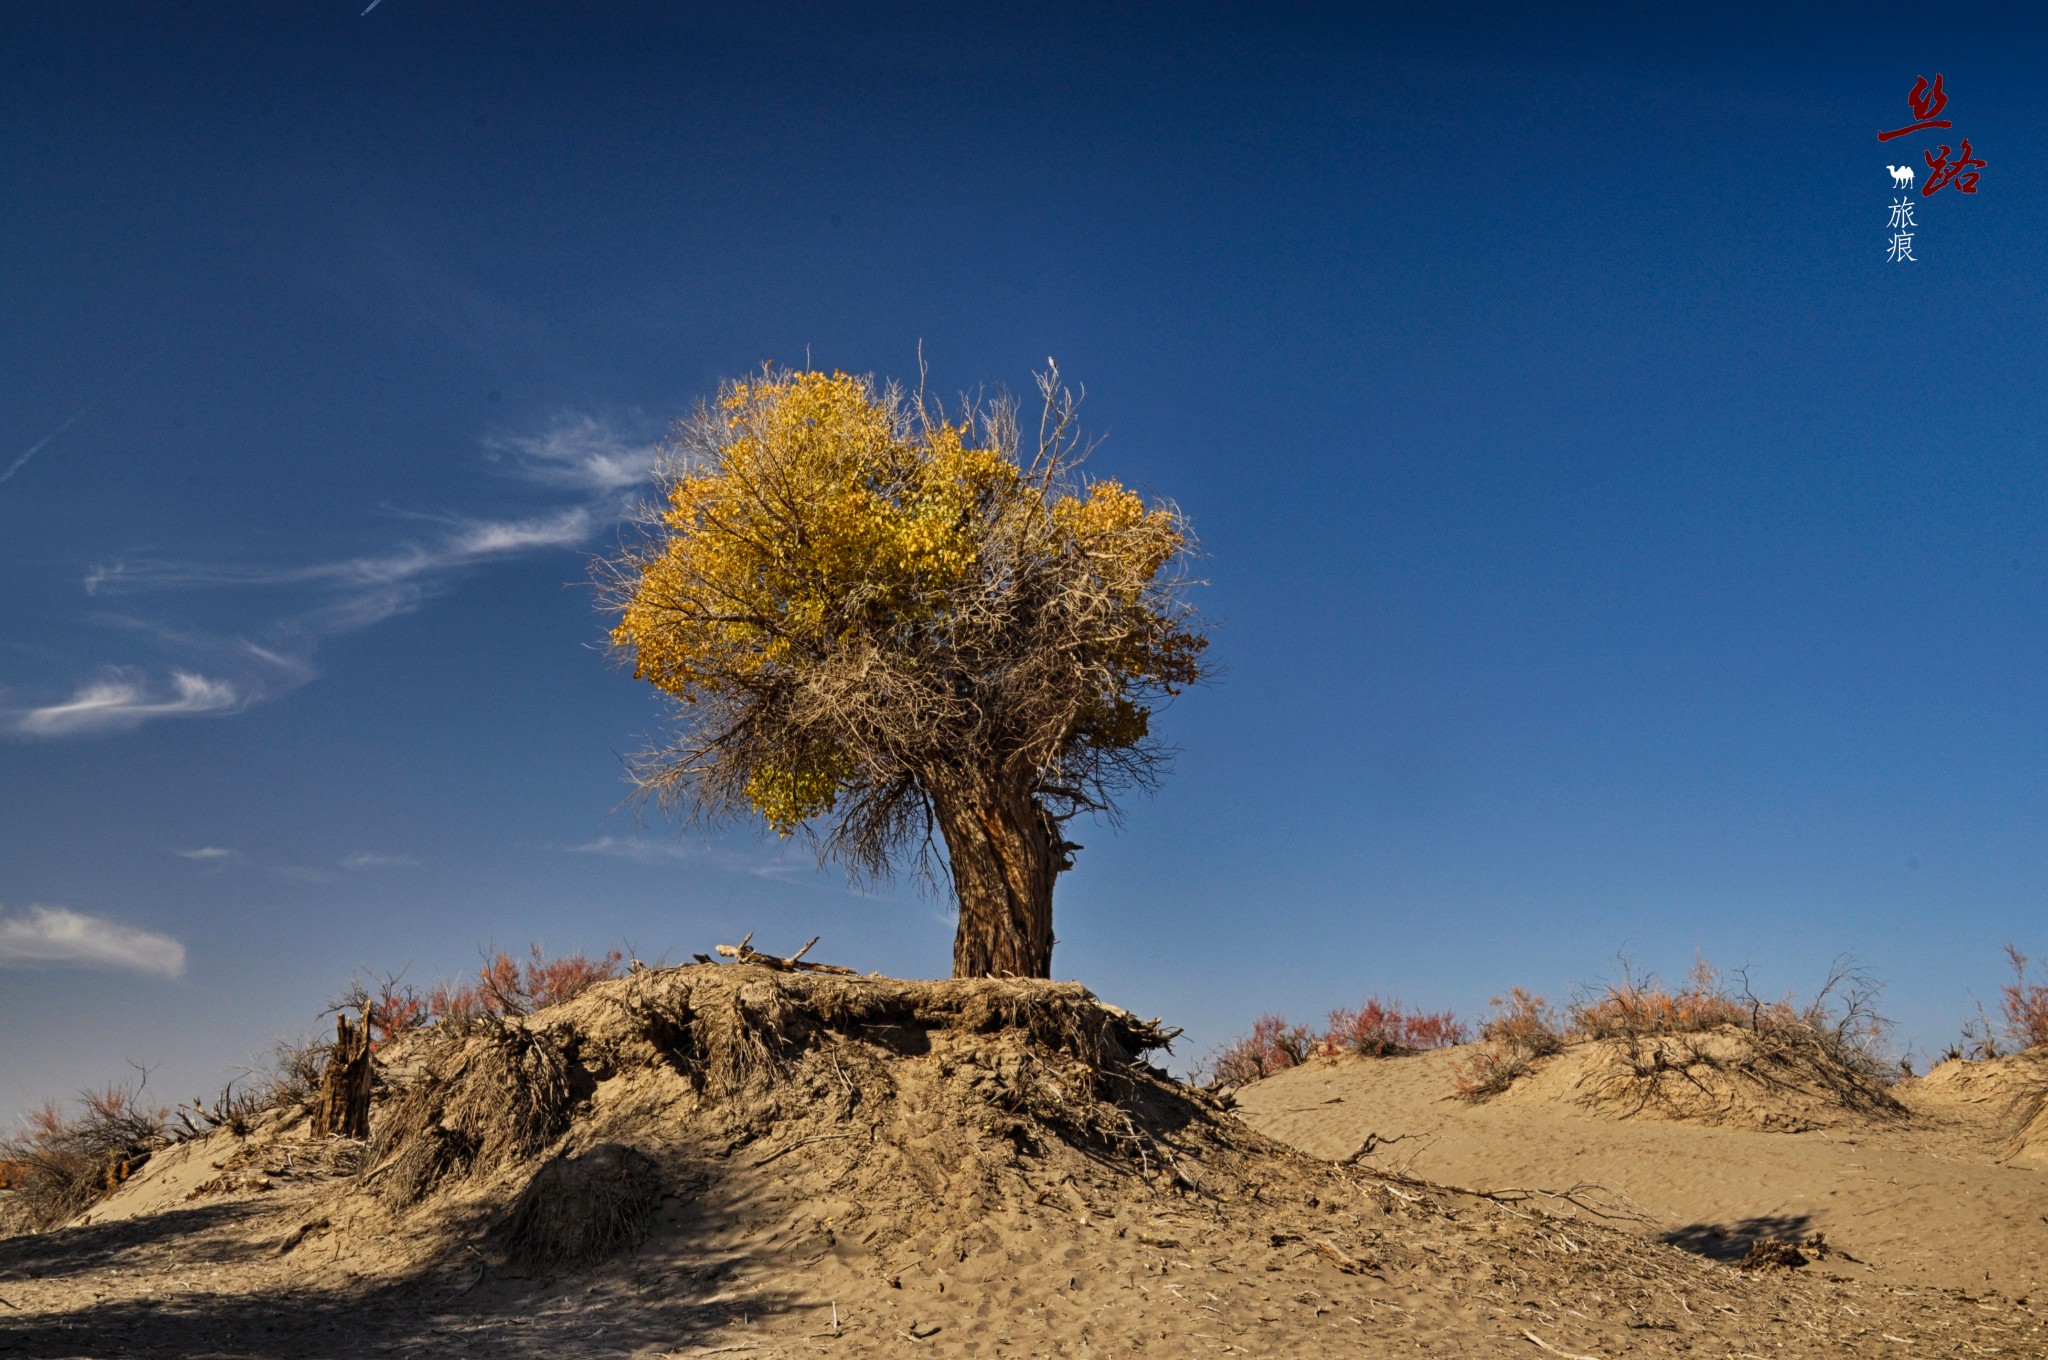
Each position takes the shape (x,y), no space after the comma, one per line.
(344,1106)
(1005,852)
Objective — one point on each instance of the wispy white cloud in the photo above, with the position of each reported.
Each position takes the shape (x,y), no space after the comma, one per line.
(497,538)
(638,849)
(350,613)
(370,859)
(122,702)
(54,937)
(208,852)
(584,452)
(214,675)
(467,541)
(43,443)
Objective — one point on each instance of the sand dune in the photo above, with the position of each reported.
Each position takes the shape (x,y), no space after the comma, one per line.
(727,1161)
(1950,1193)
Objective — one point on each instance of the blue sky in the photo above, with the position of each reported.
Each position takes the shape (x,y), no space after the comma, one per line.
(1609,548)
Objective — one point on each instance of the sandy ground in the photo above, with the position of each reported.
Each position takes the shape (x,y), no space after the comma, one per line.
(769,1278)
(1939,1198)
(929,1186)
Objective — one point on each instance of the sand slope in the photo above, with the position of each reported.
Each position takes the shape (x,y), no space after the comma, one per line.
(945,1169)
(1947,1195)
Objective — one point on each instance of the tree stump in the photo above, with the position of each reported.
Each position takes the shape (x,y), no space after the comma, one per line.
(343,1110)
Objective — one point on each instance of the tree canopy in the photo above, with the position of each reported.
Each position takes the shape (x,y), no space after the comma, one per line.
(877,620)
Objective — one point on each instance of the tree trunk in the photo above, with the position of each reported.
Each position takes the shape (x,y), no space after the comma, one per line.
(1005,853)
(343,1110)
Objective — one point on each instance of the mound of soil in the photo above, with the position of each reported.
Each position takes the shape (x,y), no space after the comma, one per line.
(725,1159)
(1726,1076)
(2008,1095)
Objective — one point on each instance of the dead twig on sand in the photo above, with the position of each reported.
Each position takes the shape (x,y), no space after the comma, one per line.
(1373,1143)
(802,1142)
(1568,1355)
(1350,1265)
(1612,1204)
(744,952)
(1579,1196)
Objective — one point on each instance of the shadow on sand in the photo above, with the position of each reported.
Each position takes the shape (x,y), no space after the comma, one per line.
(675,1290)
(1731,1242)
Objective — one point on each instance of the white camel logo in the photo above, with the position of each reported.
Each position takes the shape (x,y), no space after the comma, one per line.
(1902,176)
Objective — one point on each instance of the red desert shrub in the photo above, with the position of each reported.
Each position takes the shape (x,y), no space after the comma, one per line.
(1272,1046)
(504,987)
(396,1008)
(2026,1004)
(1381,1029)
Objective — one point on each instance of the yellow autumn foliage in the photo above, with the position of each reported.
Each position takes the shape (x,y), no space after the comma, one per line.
(829,522)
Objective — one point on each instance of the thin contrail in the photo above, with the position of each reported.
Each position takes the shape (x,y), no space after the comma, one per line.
(373,5)
(37,447)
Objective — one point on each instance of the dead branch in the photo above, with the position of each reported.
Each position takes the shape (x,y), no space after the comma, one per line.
(1580,1196)
(744,952)
(1373,1143)
(1568,1355)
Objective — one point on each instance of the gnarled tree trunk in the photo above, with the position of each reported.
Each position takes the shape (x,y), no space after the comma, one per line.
(343,1110)
(1005,853)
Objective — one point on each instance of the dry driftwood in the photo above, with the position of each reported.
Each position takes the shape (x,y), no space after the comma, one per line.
(744,952)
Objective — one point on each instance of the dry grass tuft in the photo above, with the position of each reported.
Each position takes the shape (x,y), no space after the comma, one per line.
(1676,1046)
(2025,1004)
(292,1080)
(489,1097)
(737,1039)
(1521,1030)
(1702,1049)
(65,1162)
(1636,1005)
(580,1208)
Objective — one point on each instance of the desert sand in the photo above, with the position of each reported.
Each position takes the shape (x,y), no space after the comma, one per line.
(1951,1191)
(737,1162)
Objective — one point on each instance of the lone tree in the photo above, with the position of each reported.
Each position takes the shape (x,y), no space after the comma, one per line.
(877,620)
